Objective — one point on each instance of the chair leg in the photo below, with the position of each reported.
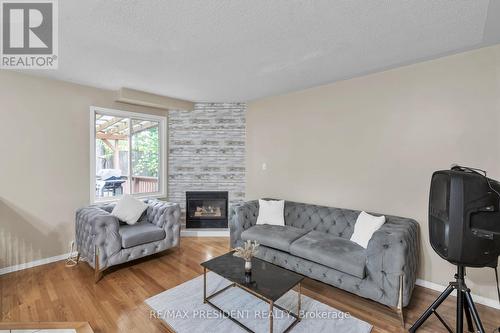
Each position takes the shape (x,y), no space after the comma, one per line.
(179,242)
(401,317)
(77,257)
(97,271)
(399,308)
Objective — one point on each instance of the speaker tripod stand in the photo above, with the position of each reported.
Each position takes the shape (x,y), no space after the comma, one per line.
(464,304)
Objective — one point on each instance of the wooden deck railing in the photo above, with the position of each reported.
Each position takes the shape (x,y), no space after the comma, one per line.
(142,184)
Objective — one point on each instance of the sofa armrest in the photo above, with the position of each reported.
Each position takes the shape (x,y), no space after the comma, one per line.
(166,215)
(241,217)
(97,229)
(393,251)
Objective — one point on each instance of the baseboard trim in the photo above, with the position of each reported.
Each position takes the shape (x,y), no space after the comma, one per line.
(478,299)
(205,233)
(34,263)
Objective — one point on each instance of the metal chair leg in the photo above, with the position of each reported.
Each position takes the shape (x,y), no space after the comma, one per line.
(400,301)
(97,271)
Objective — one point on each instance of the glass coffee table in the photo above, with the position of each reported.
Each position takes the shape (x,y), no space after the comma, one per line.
(268,282)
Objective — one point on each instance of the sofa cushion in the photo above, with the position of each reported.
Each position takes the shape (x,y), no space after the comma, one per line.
(335,221)
(140,233)
(129,209)
(275,236)
(365,227)
(335,252)
(271,212)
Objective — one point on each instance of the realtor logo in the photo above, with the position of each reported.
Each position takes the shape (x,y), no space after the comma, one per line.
(29,34)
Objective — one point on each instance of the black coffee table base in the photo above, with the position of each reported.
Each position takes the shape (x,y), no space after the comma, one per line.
(206,299)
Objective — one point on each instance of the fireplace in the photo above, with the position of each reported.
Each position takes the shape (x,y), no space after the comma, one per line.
(207,209)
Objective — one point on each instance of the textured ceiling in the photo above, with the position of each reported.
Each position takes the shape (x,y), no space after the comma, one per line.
(236,50)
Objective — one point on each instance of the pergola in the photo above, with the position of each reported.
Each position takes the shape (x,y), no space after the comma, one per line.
(110,130)
(116,128)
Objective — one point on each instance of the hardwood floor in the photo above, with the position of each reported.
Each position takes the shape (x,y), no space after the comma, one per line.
(116,304)
(77,327)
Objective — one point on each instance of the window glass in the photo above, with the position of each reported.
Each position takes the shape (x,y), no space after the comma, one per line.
(145,156)
(128,154)
(111,156)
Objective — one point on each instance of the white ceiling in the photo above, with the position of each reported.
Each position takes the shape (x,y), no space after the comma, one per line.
(237,50)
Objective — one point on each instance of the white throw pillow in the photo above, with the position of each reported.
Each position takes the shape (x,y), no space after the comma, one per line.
(365,227)
(271,212)
(129,209)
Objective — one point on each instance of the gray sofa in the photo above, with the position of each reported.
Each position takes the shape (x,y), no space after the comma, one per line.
(105,241)
(315,242)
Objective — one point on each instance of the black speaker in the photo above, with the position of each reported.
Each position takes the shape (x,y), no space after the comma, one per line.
(464,229)
(464,217)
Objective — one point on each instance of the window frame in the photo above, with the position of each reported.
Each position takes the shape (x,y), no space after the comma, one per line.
(162,135)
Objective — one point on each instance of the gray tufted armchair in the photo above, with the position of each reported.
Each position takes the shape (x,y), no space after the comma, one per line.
(105,241)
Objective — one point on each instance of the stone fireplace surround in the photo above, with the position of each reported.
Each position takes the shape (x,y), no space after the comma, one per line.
(206,152)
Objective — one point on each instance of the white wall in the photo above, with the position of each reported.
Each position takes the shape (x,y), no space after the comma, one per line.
(373,142)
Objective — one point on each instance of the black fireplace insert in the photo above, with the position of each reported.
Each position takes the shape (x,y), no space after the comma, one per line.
(206,209)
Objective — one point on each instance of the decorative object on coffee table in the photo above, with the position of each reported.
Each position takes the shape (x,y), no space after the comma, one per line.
(246,252)
(270,283)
